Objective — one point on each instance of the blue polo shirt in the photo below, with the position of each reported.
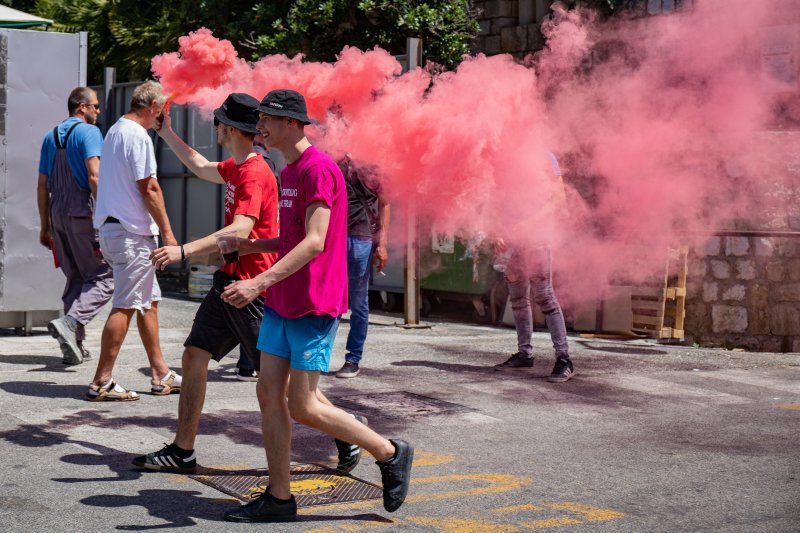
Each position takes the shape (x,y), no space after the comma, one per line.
(84,142)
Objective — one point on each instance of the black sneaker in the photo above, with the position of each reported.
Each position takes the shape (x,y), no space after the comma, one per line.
(349,454)
(246,374)
(168,459)
(396,475)
(349,370)
(562,371)
(265,508)
(518,360)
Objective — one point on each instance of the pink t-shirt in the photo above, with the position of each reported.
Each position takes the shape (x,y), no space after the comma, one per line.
(320,286)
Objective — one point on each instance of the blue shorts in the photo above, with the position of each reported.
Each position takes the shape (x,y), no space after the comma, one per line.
(306,341)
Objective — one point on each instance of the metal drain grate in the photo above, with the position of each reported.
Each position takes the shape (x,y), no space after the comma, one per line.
(312,485)
(400,403)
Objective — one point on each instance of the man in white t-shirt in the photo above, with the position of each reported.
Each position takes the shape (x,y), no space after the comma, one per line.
(129,214)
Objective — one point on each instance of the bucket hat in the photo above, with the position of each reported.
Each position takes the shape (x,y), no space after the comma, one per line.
(238,110)
(285,103)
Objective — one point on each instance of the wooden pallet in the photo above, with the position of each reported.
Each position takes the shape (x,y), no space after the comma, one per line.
(659,310)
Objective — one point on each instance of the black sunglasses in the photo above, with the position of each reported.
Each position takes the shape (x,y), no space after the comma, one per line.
(216,122)
(95,106)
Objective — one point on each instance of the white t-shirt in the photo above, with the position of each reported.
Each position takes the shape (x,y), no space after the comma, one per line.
(127,157)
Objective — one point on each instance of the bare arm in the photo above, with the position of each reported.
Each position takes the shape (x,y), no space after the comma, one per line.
(43,200)
(381,252)
(93,172)
(318,217)
(258,246)
(195,162)
(154,202)
(166,255)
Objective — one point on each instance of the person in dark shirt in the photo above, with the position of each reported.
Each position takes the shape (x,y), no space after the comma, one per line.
(367,229)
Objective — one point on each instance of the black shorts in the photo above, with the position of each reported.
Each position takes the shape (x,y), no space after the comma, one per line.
(219,327)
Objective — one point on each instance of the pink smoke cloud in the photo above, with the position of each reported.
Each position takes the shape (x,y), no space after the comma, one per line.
(203,61)
(655,121)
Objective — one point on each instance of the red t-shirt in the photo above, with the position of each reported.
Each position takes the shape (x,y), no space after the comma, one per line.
(320,286)
(251,189)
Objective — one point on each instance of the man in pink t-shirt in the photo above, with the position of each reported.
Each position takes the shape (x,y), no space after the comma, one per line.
(307,295)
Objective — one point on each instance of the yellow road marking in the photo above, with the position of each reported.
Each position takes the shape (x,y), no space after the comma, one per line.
(422,458)
(496,483)
(463,525)
(790,406)
(453,524)
(545,523)
(518,508)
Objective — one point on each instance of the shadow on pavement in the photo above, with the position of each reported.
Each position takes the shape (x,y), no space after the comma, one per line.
(44,389)
(33,436)
(378,519)
(447,367)
(50,362)
(630,350)
(240,427)
(177,508)
(217,373)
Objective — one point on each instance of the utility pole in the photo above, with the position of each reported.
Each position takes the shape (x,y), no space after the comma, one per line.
(411,295)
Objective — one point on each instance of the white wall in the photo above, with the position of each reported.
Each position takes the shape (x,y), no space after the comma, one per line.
(41,69)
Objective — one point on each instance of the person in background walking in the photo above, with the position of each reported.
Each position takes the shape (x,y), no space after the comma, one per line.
(130,213)
(69,166)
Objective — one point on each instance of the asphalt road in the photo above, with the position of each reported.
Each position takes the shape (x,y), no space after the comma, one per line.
(645,438)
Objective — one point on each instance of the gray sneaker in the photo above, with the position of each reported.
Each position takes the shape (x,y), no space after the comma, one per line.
(86,354)
(64,329)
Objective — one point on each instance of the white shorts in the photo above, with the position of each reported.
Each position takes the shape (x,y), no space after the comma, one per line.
(135,283)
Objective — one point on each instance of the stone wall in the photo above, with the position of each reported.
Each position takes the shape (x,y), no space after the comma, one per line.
(744,292)
(501,32)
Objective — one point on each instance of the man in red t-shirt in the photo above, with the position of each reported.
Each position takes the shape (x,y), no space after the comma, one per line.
(251,210)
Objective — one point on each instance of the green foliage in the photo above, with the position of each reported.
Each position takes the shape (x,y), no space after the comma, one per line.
(20,5)
(320,29)
(126,34)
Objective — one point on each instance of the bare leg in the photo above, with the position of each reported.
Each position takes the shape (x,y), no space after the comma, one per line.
(147,322)
(111,341)
(321,397)
(193,395)
(305,407)
(276,425)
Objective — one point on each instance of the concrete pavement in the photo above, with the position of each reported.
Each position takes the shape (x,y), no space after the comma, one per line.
(645,438)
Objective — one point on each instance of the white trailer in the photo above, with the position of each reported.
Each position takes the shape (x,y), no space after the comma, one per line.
(37,72)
